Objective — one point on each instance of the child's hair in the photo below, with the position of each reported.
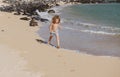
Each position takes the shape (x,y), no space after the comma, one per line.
(54,19)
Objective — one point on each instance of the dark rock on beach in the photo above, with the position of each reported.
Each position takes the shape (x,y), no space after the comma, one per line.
(2,30)
(25,18)
(33,22)
(44,20)
(57,5)
(51,11)
(7,8)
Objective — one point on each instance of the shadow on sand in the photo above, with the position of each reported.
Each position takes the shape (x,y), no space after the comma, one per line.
(44,42)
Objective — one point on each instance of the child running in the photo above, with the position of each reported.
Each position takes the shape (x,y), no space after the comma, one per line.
(54,28)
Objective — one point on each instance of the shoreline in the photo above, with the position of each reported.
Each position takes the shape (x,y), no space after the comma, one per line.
(43,59)
(94,48)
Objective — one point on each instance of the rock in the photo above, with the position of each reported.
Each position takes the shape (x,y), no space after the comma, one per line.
(7,8)
(25,18)
(51,11)
(57,5)
(2,30)
(33,22)
(17,13)
(44,20)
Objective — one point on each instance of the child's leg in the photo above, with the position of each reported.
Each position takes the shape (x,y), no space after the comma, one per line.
(50,38)
(58,41)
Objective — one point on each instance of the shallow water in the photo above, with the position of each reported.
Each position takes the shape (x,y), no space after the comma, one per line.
(87,34)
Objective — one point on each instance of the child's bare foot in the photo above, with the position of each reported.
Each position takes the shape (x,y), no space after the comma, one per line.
(58,47)
(48,43)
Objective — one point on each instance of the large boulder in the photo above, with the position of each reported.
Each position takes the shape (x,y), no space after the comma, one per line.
(51,11)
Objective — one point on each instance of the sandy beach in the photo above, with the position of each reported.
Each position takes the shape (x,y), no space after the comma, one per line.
(21,55)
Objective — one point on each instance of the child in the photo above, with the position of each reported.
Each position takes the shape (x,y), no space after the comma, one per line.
(54,26)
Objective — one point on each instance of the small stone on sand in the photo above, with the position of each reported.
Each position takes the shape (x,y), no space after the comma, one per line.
(2,30)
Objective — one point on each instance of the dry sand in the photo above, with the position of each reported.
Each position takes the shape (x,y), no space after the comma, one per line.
(22,56)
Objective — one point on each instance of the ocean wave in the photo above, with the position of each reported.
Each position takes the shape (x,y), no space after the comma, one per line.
(45,15)
(102,28)
(112,28)
(91,28)
(92,31)
(85,24)
(59,8)
(100,32)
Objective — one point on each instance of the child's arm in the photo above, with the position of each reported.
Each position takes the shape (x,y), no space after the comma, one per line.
(60,27)
(50,27)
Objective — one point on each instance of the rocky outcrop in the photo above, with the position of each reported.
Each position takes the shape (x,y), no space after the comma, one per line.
(7,8)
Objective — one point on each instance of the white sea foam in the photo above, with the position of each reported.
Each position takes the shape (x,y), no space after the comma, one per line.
(98,32)
(59,8)
(48,16)
(108,27)
(86,24)
(93,32)
(45,15)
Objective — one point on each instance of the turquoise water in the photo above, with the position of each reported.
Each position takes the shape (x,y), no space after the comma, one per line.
(102,14)
(88,28)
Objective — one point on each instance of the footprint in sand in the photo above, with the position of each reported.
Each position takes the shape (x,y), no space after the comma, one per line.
(72,70)
(2,30)
(64,63)
(59,55)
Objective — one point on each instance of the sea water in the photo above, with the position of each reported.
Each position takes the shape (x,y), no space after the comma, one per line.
(104,18)
(89,28)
